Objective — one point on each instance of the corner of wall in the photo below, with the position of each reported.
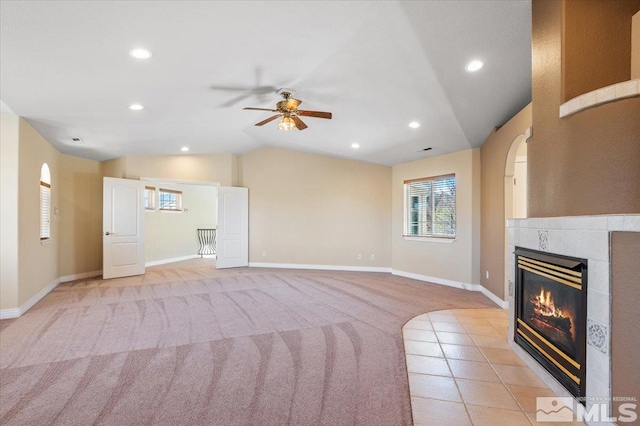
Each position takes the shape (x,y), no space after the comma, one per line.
(38,264)
(635,46)
(9,148)
(236,172)
(80,215)
(115,168)
(476,201)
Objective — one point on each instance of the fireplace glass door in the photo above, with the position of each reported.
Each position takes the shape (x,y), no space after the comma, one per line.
(550,321)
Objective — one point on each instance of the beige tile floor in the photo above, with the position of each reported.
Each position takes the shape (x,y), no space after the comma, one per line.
(462,371)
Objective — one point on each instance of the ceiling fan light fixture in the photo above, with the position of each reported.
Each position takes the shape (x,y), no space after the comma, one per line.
(286,124)
(414,124)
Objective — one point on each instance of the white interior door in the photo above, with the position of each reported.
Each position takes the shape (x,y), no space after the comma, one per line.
(233,227)
(122,228)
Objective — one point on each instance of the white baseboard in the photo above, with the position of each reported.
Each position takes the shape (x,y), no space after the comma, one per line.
(504,304)
(16,312)
(434,280)
(172,260)
(320,267)
(9,313)
(456,284)
(80,276)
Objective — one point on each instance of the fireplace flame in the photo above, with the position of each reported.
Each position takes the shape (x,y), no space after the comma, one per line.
(545,310)
(545,305)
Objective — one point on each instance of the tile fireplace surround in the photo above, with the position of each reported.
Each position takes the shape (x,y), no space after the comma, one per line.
(584,237)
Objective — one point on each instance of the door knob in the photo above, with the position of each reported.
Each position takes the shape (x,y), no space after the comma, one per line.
(107,233)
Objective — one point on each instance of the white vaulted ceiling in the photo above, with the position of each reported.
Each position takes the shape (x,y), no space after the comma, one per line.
(376,65)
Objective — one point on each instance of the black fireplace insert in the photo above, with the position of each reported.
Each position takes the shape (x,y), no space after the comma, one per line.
(551,314)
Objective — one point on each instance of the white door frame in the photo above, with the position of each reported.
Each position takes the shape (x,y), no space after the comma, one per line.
(180,181)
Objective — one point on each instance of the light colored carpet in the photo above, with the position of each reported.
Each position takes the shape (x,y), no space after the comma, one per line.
(186,344)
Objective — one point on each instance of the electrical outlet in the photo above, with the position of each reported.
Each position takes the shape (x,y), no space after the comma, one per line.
(487,274)
(359,256)
(264,253)
(373,257)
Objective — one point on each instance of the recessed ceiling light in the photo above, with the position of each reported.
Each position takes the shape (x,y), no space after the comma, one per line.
(136,107)
(355,145)
(184,149)
(474,65)
(414,124)
(140,53)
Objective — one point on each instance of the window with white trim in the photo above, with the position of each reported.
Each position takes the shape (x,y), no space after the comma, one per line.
(170,200)
(430,207)
(45,203)
(149,198)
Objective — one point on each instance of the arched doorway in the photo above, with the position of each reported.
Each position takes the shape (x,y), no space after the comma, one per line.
(515,191)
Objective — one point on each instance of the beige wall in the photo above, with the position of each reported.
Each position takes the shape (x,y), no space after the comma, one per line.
(80,215)
(220,168)
(635,46)
(494,154)
(587,163)
(458,261)
(115,168)
(596,44)
(9,143)
(169,235)
(313,209)
(37,263)
(76,196)
(522,148)
(625,339)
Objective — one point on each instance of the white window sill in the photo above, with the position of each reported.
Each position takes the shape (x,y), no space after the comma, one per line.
(45,242)
(430,239)
(171,211)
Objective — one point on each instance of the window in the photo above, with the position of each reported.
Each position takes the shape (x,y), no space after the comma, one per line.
(45,203)
(430,207)
(149,198)
(170,200)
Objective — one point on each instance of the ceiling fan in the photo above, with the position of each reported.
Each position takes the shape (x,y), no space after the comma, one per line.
(287,108)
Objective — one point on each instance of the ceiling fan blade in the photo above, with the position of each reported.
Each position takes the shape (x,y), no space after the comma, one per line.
(316,114)
(299,123)
(231,88)
(263,122)
(292,104)
(235,100)
(260,109)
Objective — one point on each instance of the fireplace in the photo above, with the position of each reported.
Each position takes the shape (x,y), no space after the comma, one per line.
(550,314)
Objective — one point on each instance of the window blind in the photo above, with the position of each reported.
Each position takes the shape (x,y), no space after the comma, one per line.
(45,211)
(149,198)
(430,207)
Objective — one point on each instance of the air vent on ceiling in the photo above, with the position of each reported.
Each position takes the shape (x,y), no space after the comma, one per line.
(77,141)
(427,149)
